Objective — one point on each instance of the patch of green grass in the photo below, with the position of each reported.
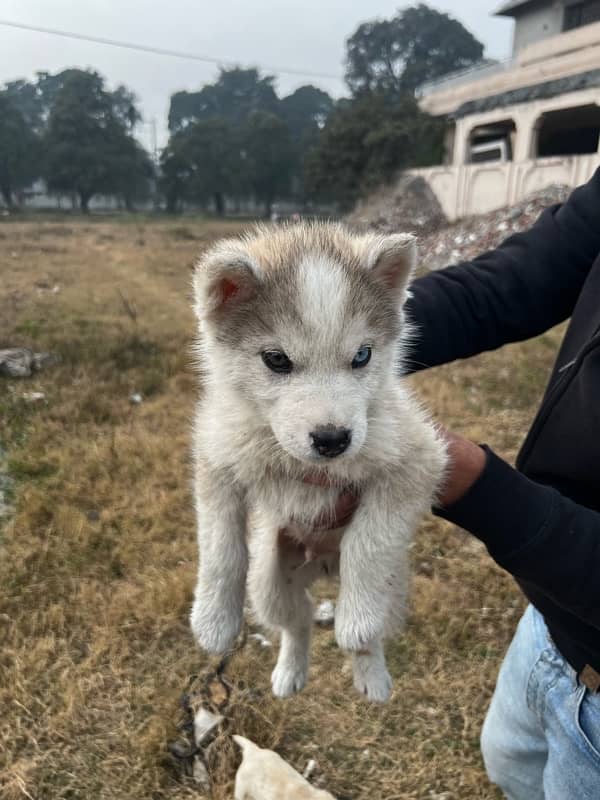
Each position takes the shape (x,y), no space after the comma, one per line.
(135,352)
(23,469)
(33,328)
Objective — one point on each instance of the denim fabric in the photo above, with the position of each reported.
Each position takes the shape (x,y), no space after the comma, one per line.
(541,736)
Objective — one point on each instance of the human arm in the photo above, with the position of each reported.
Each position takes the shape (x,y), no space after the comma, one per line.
(531,530)
(521,289)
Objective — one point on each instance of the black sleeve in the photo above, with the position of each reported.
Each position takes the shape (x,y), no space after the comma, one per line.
(530,283)
(536,534)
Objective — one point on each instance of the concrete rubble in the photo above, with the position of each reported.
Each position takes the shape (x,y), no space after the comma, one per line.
(408,207)
(408,204)
(467,238)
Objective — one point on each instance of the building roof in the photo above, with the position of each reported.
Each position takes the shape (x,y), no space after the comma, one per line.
(525,94)
(513,8)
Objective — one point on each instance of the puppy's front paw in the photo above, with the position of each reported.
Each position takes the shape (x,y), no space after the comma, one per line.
(214,625)
(288,677)
(371,678)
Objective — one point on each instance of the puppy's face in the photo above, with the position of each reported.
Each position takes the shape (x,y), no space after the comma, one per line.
(305,323)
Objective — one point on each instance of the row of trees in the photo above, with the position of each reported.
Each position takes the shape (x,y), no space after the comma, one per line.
(235,139)
(73,132)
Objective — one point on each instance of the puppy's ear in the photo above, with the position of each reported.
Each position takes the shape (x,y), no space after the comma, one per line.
(392,260)
(223,282)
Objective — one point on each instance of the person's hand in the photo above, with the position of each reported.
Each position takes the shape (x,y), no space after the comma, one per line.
(322,544)
(466,463)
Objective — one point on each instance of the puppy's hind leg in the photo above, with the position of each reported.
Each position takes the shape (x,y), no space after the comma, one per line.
(291,671)
(280,601)
(371,677)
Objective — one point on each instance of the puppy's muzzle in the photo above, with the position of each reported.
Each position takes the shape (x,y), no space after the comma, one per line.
(330,441)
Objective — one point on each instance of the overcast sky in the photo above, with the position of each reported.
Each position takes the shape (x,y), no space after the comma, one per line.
(306,35)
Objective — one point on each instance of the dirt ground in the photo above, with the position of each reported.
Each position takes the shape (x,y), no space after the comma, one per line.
(98,555)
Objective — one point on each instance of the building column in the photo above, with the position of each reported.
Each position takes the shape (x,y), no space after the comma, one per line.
(526,122)
(461,136)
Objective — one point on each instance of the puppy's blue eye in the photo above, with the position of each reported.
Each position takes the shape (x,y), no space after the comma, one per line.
(277,361)
(362,358)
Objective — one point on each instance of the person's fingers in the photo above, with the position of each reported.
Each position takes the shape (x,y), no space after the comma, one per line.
(288,544)
(320,544)
(345,507)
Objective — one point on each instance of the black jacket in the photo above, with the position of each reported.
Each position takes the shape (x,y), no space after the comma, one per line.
(541,522)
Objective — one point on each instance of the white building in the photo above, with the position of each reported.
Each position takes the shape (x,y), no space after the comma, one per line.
(519,126)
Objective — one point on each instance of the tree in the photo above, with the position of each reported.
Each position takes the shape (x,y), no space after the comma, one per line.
(305,113)
(380,129)
(236,94)
(269,157)
(88,139)
(19,150)
(175,172)
(202,162)
(366,141)
(396,56)
(25,96)
(235,137)
(133,171)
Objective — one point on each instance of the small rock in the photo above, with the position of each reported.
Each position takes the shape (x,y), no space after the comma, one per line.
(136,398)
(204,723)
(310,769)
(325,613)
(20,362)
(40,360)
(181,749)
(200,774)
(258,637)
(93,515)
(33,397)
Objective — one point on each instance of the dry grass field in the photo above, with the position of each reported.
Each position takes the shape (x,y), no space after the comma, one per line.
(97,555)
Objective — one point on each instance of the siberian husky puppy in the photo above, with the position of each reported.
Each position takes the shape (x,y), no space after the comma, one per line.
(300,343)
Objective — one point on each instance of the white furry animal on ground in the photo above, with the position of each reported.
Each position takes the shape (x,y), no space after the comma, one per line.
(301,338)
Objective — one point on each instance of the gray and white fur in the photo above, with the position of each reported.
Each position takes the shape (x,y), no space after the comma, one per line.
(265,442)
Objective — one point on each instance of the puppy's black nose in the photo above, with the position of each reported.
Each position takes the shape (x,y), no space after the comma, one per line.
(331,442)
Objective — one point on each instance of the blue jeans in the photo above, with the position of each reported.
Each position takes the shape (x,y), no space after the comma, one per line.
(541,736)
